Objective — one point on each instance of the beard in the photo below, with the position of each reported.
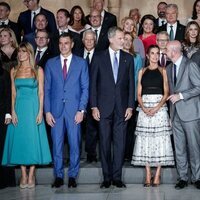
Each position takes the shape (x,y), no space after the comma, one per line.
(161,14)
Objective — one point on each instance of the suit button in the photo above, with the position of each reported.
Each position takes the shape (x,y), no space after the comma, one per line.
(64,90)
(63,100)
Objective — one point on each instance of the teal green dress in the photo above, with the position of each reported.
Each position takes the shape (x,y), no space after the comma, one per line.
(26,143)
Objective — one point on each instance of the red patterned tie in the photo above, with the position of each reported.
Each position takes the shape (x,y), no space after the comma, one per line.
(65,69)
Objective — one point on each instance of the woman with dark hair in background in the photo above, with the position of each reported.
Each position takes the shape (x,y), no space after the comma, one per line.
(148,30)
(77,21)
(195,12)
(153,146)
(7,174)
(26,141)
(191,43)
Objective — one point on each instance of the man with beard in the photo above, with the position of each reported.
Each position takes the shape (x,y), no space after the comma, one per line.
(161,8)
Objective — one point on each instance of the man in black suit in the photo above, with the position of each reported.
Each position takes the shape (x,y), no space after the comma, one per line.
(161,8)
(62,19)
(42,53)
(173,27)
(5,21)
(102,42)
(112,102)
(26,18)
(91,125)
(108,19)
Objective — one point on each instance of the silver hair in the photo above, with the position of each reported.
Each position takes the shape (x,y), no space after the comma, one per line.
(112,31)
(89,31)
(172,5)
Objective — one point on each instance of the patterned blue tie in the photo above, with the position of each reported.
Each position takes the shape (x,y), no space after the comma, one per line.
(115,67)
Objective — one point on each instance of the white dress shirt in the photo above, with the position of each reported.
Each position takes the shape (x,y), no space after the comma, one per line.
(174,28)
(42,51)
(69,58)
(86,53)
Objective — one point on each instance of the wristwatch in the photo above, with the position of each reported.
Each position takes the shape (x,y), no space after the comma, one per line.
(82,111)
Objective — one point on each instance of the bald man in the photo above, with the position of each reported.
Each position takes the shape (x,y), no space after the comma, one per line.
(184,83)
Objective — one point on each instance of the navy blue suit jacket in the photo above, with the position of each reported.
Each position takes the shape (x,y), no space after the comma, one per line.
(24,21)
(105,94)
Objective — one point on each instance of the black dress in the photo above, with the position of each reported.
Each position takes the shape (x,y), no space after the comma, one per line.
(7,174)
(8,63)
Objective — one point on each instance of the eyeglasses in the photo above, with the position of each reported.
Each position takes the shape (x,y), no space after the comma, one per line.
(42,38)
(162,40)
(95,16)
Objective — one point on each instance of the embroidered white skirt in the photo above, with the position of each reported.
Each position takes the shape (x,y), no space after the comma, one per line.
(153,143)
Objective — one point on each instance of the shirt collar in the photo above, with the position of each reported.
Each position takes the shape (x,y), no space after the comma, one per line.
(68,57)
(5,22)
(178,62)
(36,11)
(42,49)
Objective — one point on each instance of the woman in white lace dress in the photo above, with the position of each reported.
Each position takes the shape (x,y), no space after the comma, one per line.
(153,146)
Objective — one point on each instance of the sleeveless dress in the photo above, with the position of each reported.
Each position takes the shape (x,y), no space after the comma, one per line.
(26,143)
(153,143)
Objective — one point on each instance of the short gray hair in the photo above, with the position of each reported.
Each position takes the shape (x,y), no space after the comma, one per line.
(89,31)
(112,31)
(172,5)
(162,33)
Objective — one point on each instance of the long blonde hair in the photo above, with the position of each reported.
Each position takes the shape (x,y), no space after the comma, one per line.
(28,47)
(14,43)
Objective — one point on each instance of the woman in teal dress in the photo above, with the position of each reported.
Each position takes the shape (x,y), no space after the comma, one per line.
(26,141)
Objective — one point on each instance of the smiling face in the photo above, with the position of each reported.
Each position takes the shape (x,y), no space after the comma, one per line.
(198,7)
(171,15)
(5,38)
(153,55)
(23,54)
(148,26)
(193,31)
(77,14)
(128,26)
(62,20)
(65,46)
(128,42)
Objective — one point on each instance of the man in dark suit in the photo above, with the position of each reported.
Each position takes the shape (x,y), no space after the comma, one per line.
(42,53)
(26,18)
(62,18)
(66,97)
(102,42)
(184,84)
(161,8)
(112,102)
(91,125)
(6,22)
(108,19)
(173,27)
(162,38)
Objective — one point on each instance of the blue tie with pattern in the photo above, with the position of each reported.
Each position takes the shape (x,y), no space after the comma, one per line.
(115,67)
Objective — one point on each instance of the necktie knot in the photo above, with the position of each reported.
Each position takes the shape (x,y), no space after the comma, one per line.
(38,56)
(3,24)
(163,22)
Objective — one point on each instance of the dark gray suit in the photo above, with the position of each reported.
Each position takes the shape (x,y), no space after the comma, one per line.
(185,116)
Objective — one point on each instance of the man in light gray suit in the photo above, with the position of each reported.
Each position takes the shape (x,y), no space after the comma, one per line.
(184,84)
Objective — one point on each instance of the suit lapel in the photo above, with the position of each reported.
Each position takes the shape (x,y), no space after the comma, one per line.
(108,64)
(122,60)
(71,67)
(180,72)
(59,68)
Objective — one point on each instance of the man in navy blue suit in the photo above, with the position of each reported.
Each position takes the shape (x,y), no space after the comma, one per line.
(26,18)
(112,102)
(66,97)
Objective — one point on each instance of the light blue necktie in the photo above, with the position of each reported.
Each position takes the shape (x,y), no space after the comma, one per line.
(115,67)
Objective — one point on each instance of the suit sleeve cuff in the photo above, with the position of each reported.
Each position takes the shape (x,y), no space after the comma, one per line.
(181,96)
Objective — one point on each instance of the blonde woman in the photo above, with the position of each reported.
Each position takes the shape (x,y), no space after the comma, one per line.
(26,141)
(8,48)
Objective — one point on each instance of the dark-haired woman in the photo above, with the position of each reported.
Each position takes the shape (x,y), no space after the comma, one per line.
(195,12)
(153,145)
(77,21)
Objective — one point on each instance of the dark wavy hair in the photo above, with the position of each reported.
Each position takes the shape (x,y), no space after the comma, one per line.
(83,20)
(152,18)
(148,51)
(194,12)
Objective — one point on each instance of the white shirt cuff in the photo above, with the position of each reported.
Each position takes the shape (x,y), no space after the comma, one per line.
(181,96)
(8,116)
